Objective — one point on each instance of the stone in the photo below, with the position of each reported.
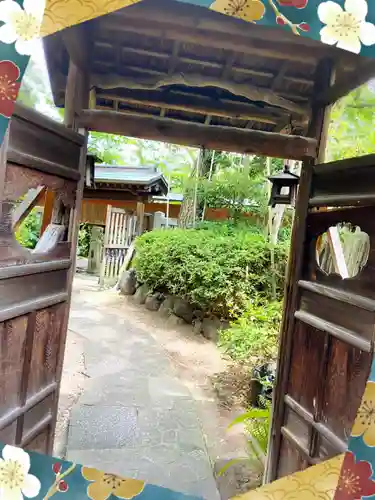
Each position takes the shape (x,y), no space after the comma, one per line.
(197,326)
(141,294)
(174,320)
(243,475)
(183,309)
(153,302)
(198,314)
(166,307)
(210,328)
(128,282)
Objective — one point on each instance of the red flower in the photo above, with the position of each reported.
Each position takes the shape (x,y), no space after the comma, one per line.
(63,487)
(354,482)
(304,27)
(56,467)
(9,87)
(298,4)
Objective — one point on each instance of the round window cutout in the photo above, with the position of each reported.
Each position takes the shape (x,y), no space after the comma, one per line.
(343,250)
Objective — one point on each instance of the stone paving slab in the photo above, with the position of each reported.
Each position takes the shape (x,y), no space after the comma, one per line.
(103,427)
(135,417)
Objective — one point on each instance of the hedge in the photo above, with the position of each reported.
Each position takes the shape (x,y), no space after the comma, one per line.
(218,272)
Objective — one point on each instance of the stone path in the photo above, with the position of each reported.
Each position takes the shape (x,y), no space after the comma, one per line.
(133,416)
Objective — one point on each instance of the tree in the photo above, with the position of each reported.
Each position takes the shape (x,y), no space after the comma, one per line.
(351,131)
(235,182)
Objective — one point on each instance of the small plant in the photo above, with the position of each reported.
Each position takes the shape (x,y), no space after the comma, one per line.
(84,239)
(257,422)
(255,333)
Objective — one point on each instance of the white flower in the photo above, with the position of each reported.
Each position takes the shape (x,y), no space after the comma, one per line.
(346,28)
(21,25)
(15,480)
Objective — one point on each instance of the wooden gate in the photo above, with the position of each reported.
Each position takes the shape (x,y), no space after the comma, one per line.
(120,230)
(35,286)
(328,335)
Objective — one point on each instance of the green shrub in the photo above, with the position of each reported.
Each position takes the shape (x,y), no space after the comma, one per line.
(84,240)
(28,232)
(217,270)
(255,333)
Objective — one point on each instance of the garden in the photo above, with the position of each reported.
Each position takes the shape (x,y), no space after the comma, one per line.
(231,273)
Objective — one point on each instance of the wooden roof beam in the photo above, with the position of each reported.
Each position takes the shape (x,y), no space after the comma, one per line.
(201,106)
(152,71)
(194,17)
(173,61)
(213,64)
(77,40)
(245,89)
(198,135)
(358,78)
(275,48)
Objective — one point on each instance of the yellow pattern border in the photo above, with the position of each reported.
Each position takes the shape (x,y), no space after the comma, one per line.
(315,483)
(60,14)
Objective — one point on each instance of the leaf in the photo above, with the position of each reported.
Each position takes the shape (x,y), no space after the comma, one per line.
(229,464)
(254,413)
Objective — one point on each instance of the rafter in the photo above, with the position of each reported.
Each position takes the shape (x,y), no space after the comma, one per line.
(263,72)
(212,36)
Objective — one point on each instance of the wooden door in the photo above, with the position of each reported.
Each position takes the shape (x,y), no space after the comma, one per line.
(120,230)
(35,286)
(328,336)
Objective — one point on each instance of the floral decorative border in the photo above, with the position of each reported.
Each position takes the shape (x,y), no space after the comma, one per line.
(347,24)
(357,476)
(20,22)
(32,475)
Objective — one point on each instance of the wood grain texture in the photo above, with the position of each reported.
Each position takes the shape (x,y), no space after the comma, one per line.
(289,355)
(195,134)
(34,287)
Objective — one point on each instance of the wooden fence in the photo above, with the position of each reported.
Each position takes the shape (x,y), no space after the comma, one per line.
(120,231)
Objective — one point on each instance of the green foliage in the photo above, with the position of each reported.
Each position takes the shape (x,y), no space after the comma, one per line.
(351,131)
(257,428)
(258,424)
(84,240)
(218,271)
(239,191)
(27,234)
(109,148)
(235,182)
(255,333)
(230,227)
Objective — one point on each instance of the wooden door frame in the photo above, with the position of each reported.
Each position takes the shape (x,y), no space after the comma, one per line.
(77,98)
(318,129)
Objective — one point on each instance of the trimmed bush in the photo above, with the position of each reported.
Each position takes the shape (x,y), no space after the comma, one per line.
(216,271)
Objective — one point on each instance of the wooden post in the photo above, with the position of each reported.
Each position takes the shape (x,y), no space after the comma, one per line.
(107,232)
(76,97)
(140,217)
(317,129)
(3,166)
